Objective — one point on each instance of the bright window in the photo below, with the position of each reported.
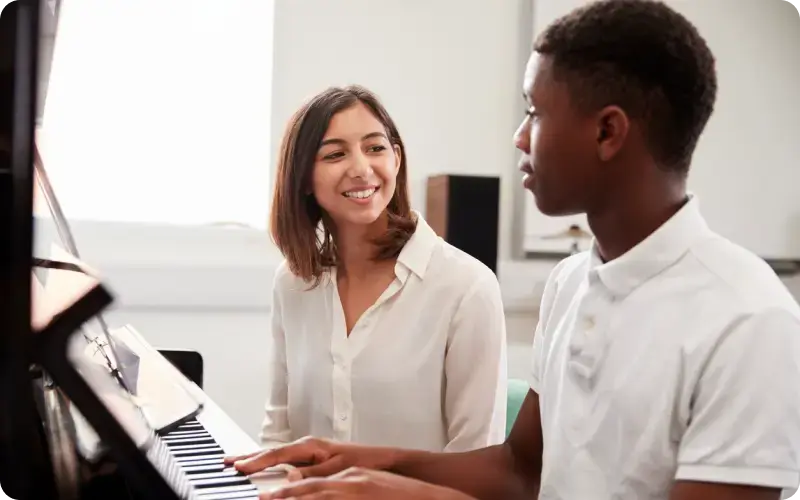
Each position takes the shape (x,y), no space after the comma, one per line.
(158,111)
(156,130)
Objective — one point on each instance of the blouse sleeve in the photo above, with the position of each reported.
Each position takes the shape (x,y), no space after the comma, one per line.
(275,427)
(475,370)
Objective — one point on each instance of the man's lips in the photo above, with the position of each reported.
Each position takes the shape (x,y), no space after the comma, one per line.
(526,167)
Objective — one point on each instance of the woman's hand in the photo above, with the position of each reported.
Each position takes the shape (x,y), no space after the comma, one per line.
(356,483)
(312,457)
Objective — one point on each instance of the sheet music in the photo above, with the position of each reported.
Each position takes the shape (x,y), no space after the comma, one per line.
(164,395)
(114,398)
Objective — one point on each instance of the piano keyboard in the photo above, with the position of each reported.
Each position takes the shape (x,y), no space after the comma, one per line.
(191,461)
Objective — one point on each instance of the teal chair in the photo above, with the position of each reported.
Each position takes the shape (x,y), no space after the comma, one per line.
(517,390)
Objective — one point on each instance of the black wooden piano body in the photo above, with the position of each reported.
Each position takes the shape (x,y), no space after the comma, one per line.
(39,379)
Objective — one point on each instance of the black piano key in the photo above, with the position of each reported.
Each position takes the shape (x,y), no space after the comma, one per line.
(197,452)
(202,441)
(219,482)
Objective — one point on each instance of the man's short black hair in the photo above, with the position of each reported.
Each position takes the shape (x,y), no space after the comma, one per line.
(644,57)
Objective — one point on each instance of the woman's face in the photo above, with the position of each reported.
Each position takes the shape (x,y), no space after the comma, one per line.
(355,168)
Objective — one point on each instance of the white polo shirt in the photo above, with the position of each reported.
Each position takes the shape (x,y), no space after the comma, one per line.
(680,360)
(423,368)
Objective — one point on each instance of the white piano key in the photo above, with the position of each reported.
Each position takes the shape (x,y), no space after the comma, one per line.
(238,495)
(217,458)
(212,475)
(181,434)
(194,447)
(225,489)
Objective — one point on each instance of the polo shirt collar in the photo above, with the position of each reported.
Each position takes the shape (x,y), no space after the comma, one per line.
(654,254)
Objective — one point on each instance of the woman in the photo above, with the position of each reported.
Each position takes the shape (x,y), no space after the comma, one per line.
(383,333)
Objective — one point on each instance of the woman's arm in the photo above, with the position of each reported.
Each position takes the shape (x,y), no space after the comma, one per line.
(275,427)
(475,369)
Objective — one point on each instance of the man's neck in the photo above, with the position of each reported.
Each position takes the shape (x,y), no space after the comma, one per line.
(629,220)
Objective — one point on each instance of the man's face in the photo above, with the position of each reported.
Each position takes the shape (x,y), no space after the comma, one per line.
(559,144)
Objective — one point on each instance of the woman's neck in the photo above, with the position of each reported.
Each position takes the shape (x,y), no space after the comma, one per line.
(356,248)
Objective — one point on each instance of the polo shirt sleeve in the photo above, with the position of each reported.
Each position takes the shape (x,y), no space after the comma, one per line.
(545,306)
(745,417)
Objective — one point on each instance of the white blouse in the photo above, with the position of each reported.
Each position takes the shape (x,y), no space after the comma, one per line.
(423,368)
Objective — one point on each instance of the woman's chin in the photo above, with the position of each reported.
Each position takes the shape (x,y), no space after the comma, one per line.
(358,216)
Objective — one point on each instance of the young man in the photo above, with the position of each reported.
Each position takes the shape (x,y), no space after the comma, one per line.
(666,361)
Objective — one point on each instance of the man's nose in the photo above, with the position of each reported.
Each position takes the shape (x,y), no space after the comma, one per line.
(522,137)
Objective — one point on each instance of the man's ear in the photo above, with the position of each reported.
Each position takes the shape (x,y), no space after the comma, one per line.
(398,158)
(613,126)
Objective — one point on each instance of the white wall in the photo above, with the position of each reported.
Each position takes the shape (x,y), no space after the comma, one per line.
(745,170)
(446,70)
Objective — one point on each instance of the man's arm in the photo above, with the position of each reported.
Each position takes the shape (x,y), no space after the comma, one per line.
(510,470)
(742,441)
(687,490)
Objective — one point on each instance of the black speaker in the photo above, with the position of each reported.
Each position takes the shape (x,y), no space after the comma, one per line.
(464,210)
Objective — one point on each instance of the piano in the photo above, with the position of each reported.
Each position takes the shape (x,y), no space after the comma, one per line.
(38,448)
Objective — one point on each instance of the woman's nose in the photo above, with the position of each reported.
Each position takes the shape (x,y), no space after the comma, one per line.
(360,167)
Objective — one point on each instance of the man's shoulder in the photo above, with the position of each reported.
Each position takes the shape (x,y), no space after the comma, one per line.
(742,279)
(569,272)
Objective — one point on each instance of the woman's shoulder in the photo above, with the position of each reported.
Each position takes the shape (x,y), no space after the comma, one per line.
(445,262)
(285,281)
(460,268)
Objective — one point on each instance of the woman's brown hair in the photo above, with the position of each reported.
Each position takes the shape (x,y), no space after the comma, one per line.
(296,217)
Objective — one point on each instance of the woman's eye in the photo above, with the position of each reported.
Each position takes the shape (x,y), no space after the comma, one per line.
(333,156)
(376,149)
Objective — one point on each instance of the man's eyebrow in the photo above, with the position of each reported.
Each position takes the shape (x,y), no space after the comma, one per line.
(527,97)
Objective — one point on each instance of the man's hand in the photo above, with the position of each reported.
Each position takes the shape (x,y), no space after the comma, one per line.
(313,457)
(355,483)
